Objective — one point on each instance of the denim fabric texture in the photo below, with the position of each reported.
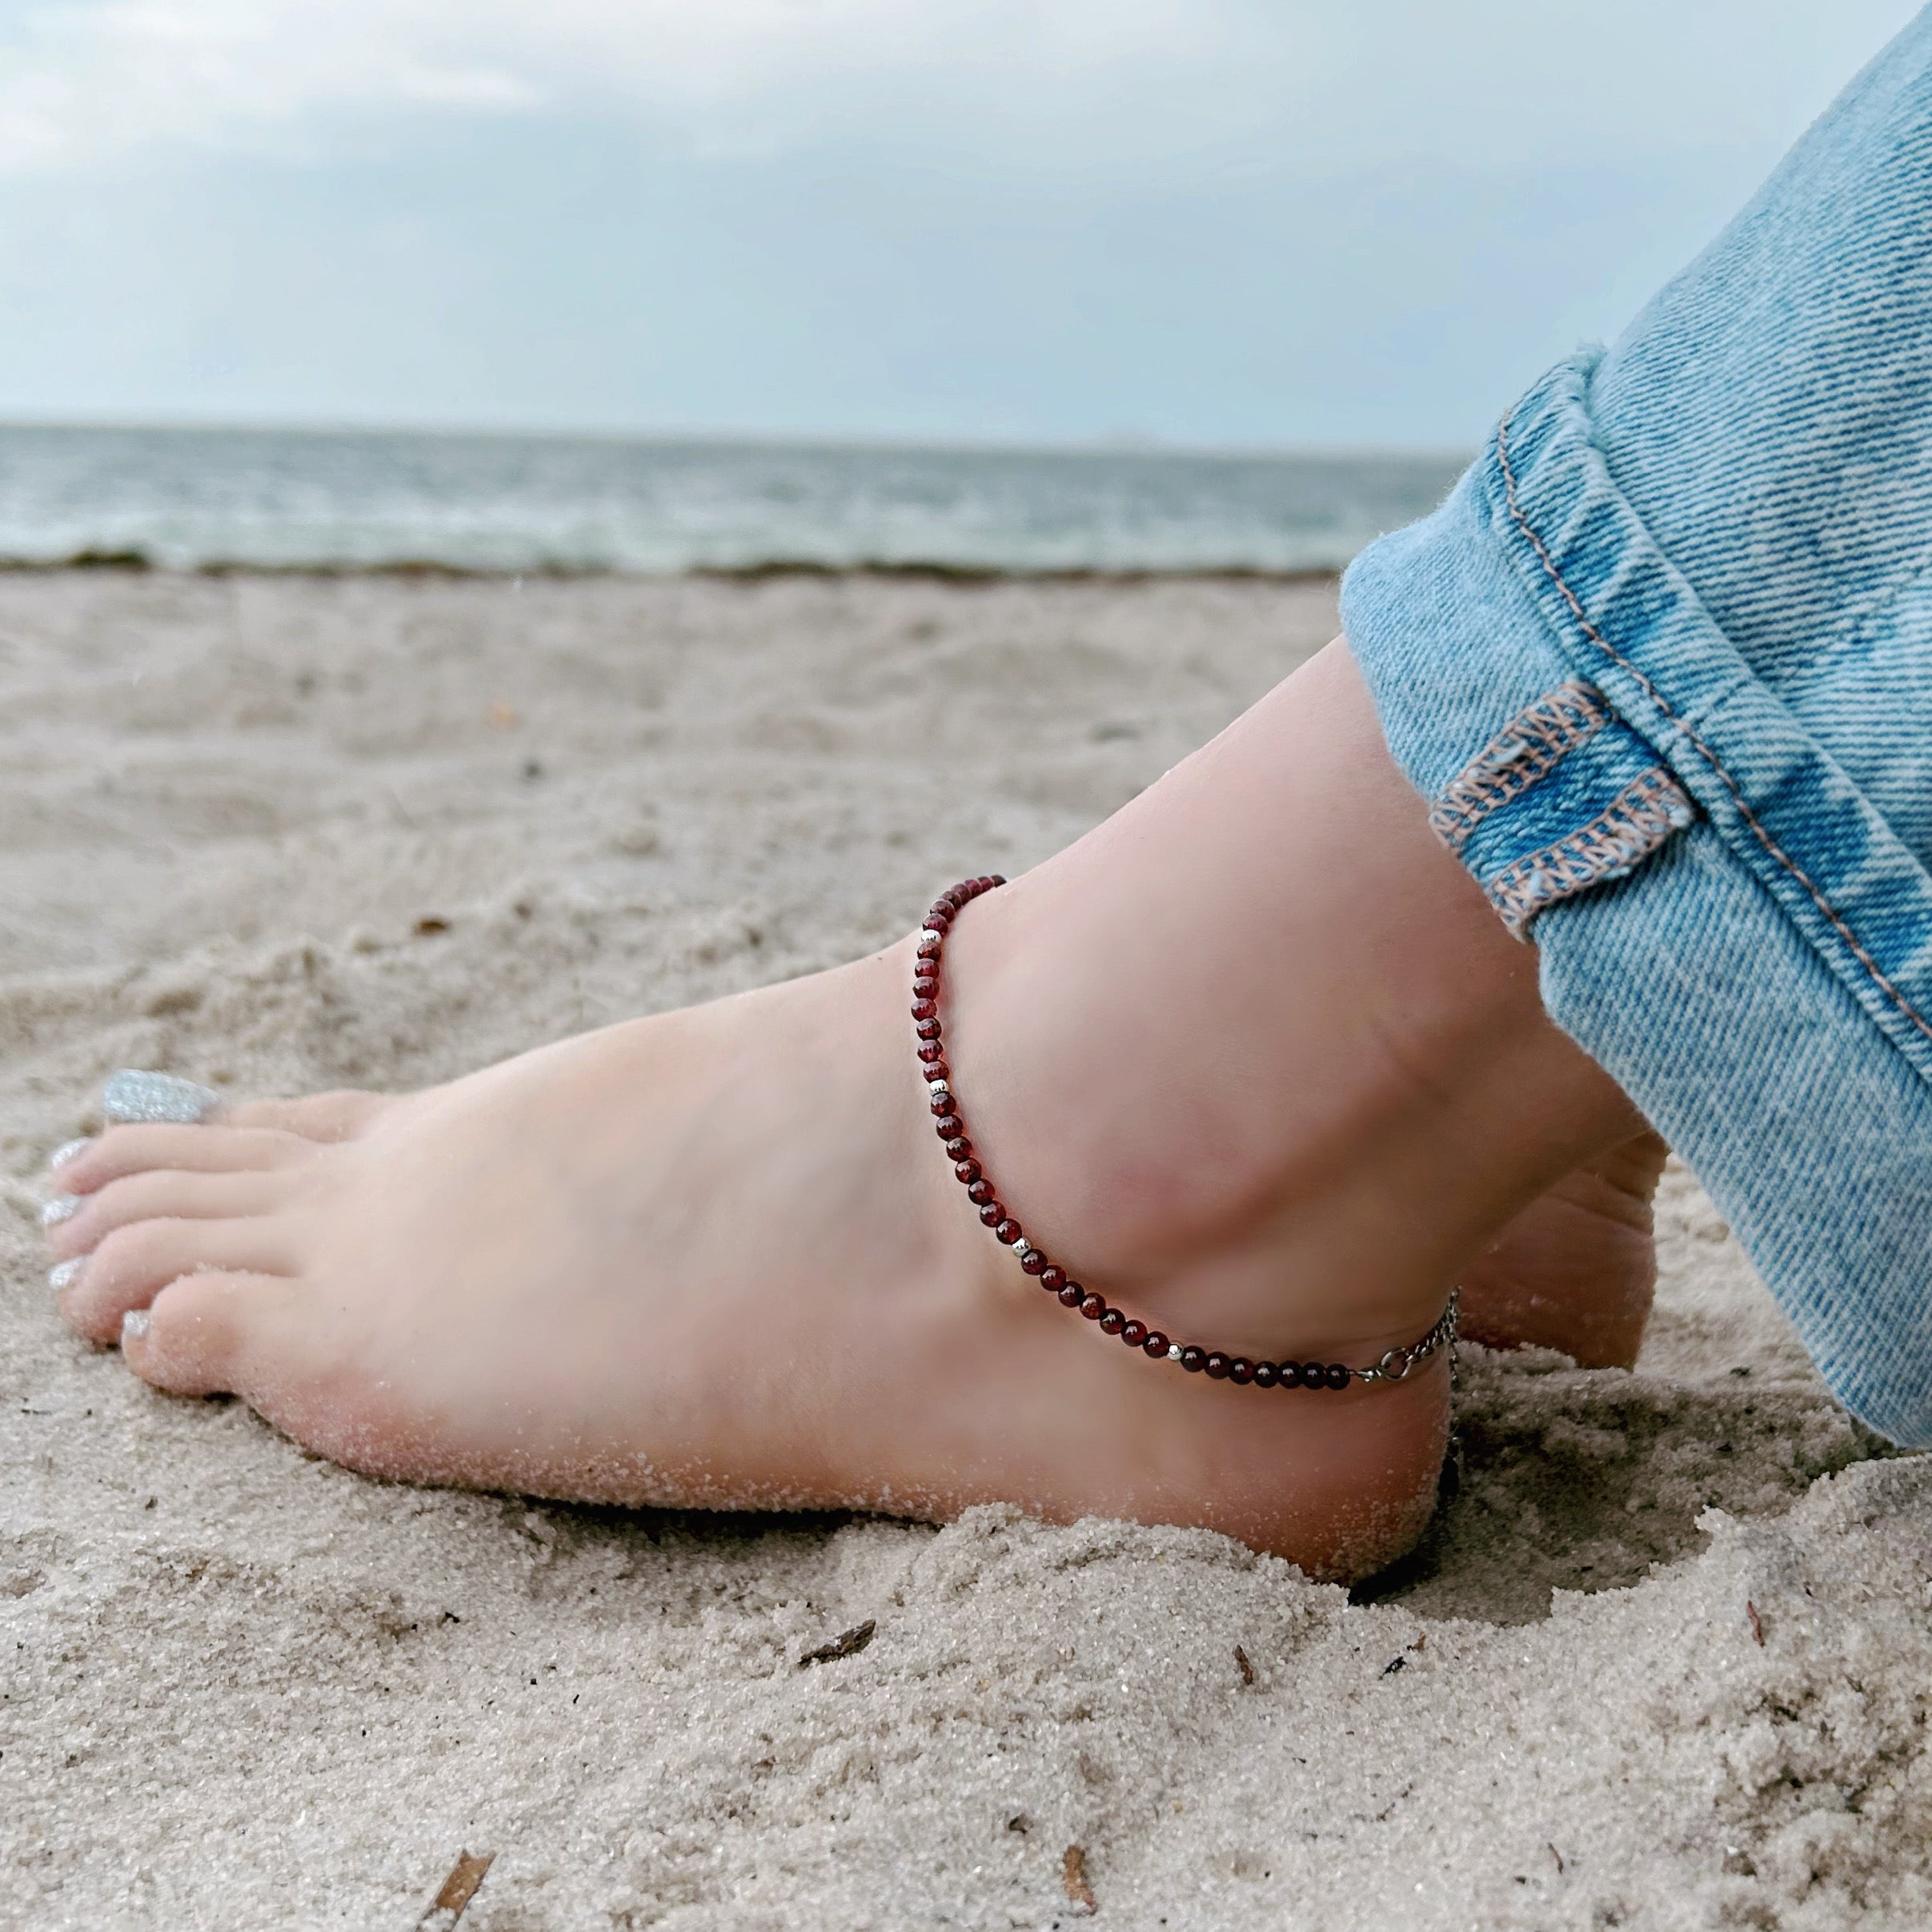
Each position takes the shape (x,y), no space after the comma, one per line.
(1662,665)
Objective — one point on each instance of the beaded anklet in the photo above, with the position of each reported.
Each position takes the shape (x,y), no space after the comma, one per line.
(1393,1366)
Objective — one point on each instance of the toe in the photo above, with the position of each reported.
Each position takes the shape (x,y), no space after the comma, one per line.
(206,1150)
(320,1116)
(200,1333)
(143,1094)
(163,1194)
(134,1264)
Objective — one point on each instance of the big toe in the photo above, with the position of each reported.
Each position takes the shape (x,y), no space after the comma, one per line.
(141,1095)
(340,1116)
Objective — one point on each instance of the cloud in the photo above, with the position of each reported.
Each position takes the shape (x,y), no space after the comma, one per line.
(82,82)
(1097,84)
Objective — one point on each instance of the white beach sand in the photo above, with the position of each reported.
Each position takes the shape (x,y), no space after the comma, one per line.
(244,1689)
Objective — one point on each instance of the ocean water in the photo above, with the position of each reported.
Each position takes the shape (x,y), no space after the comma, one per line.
(201,498)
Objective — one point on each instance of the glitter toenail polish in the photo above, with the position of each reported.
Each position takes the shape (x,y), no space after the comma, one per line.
(134,1094)
(60,1208)
(66,1272)
(67,1152)
(134,1325)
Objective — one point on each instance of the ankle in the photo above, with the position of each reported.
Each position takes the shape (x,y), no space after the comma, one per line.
(1218,1051)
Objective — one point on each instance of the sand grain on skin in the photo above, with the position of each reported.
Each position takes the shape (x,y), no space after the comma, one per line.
(280,834)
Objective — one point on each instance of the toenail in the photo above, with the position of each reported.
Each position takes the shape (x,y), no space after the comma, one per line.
(134,1094)
(65,1274)
(134,1325)
(60,1208)
(67,1152)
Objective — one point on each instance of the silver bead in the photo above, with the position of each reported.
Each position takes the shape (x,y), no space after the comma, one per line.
(1173,1351)
(937,1088)
(1023,1248)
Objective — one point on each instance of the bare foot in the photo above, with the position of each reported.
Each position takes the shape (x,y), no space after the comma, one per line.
(1576,1269)
(1254,1056)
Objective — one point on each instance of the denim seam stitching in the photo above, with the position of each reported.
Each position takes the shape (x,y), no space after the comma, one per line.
(1639,819)
(1526,749)
(1709,757)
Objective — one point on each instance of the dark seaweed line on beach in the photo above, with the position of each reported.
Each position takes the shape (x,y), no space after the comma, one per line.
(423,569)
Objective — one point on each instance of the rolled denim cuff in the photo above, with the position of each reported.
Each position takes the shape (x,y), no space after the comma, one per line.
(1723,921)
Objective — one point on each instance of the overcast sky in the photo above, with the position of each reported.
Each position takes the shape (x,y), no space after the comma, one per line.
(1271,222)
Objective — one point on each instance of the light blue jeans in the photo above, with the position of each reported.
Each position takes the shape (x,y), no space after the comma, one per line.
(1662,665)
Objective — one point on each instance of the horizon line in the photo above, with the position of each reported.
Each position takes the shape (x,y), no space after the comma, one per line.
(1123,443)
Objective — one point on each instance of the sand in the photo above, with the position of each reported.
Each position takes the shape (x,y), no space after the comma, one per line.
(1666,1661)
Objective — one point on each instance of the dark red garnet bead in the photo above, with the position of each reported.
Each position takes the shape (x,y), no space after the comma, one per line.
(1217,1366)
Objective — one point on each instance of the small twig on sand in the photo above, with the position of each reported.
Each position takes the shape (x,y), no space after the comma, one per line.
(1242,1665)
(1556,1855)
(458,1890)
(1750,1610)
(1073,1879)
(850,1644)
